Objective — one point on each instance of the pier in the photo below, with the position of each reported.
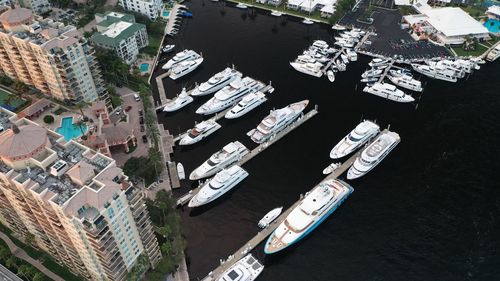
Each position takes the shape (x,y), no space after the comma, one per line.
(263,146)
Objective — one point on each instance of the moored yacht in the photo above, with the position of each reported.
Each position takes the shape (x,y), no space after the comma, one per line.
(223,181)
(493,54)
(276,121)
(310,68)
(270,217)
(372,73)
(185,67)
(363,132)
(316,206)
(179,102)
(246,104)
(432,72)
(378,62)
(406,81)
(353,56)
(216,82)
(199,132)
(229,154)
(388,91)
(230,95)
(373,154)
(180,57)
(246,269)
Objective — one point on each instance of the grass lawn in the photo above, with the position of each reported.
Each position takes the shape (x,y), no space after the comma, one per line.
(20,262)
(59,111)
(13,104)
(479,51)
(474,11)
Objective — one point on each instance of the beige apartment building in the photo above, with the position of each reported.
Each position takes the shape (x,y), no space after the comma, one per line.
(49,56)
(80,207)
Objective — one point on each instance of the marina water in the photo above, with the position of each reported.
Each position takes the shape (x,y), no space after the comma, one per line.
(429,211)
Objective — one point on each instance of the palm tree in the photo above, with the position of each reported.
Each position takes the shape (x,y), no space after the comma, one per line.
(38,277)
(11,262)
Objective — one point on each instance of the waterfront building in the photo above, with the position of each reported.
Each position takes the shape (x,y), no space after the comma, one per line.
(79,206)
(309,6)
(149,8)
(120,33)
(37,6)
(50,57)
(493,12)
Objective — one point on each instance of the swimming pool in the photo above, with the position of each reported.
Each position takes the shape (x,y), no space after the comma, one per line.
(70,130)
(144,67)
(492,25)
(166,13)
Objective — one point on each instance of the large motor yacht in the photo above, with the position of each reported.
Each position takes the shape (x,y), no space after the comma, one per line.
(407,81)
(179,102)
(185,67)
(388,91)
(217,82)
(313,69)
(246,104)
(246,269)
(180,57)
(363,132)
(199,132)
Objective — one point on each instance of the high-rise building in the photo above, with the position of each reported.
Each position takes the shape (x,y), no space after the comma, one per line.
(49,56)
(149,8)
(80,207)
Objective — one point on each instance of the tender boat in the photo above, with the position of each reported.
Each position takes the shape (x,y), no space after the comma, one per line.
(407,82)
(168,48)
(363,132)
(270,217)
(372,73)
(185,67)
(313,69)
(331,75)
(307,21)
(276,121)
(229,95)
(373,154)
(217,82)
(180,57)
(199,132)
(179,102)
(246,269)
(276,14)
(180,171)
(330,168)
(344,58)
(223,181)
(316,206)
(247,103)
(388,91)
(229,154)
(378,62)
(338,27)
(241,6)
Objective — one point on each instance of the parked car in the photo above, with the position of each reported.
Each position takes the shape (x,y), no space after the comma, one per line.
(142,128)
(144,139)
(128,108)
(141,120)
(136,97)
(118,111)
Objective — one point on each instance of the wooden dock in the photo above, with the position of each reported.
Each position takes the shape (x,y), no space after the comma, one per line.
(263,234)
(186,197)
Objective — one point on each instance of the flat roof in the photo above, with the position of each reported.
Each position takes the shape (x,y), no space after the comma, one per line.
(453,21)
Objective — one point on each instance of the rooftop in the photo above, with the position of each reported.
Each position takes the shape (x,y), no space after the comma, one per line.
(115,32)
(16,16)
(453,21)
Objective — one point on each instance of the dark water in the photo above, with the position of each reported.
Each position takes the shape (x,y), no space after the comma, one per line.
(430,211)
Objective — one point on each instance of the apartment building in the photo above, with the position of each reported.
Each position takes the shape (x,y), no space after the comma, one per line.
(80,207)
(149,8)
(120,33)
(49,56)
(37,6)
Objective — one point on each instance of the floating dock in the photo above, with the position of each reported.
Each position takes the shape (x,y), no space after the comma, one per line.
(263,146)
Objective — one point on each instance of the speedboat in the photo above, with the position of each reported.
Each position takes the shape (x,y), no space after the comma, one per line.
(229,154)
(330,168)
(180,57)
(372,73)
(246,104)
(199,132)
(370,79)
(340,65)
(276,121)
(185,67)
(344,58)
(180,171)
(316,206)
(182,100)
(338,27)
(241,6)
(168,48)
(373,154)
(313,69)
(270,217)
(246,269)
(223,181)
(331,75)
(307,21)
(229,95)
(320,44)
(400,72)
(363,132)
(353,56)
(388,91)
(276,14)
(217,82)
(407,82)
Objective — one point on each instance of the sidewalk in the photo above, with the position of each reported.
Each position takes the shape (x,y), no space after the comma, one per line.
(20,253)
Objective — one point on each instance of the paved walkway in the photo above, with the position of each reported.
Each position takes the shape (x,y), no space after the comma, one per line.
(20,253)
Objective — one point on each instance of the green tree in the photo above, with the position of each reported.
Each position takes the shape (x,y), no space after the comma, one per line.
(38,277)
(11,262)
(4,253)
(24,270)
(166,248)
(48,119)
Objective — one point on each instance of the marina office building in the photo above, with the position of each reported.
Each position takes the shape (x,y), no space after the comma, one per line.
(150,8)
(80,207)
(49,56)
(120,33)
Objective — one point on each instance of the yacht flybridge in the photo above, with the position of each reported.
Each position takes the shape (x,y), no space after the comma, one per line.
(388,91)
(216,82)
(199,132)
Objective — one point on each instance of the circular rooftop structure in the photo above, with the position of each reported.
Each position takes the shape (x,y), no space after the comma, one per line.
(15,17)
(23,142)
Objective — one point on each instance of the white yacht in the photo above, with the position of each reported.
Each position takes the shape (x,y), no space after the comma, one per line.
(276,121)
(229,154)
(270,217)
(363,132)
(241,6)
(276,13)
(400,72)
(378,62)
(330,75)
(320,44)
(338,27)
(344,58)
(373,154)
(316,206)
(353,56)
(216,82)
(493,54)
(307,21)
(185,67)
(313,69)
(340,65)
(407,82)
(180,171)
(223,181)
(229,95)
(179,102)
(246,269)
(432,72)
(180,57)
(372,73)
(330,168)
(388,91)
(199,132)
(246,104)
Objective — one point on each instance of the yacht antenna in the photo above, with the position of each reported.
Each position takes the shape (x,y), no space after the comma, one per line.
(388,126)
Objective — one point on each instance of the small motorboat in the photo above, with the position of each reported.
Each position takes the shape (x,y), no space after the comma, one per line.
(340,65)
(186,14)
(168,48)
(338,27)
(276,13)
(344,58)
(369,79)
(332,167)
(180,171)
(307,21)
(331,75)
(241,6)
(270,217)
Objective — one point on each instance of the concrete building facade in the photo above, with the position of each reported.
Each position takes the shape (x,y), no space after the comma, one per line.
(149,8)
